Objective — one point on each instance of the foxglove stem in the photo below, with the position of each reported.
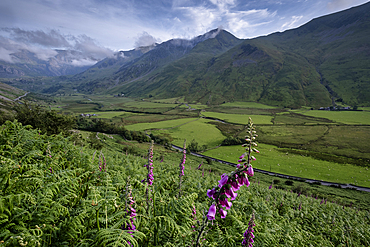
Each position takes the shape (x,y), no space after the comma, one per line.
(205,223)
(248,235)
(129,209)
(150,176)
(229,183)
(182,168)
(149,166)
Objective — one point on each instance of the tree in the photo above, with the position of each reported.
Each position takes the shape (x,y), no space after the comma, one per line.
(48,121)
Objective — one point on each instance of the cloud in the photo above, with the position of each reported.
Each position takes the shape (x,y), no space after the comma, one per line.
(248,21)
(51,38)
(5,55)
(336,5)
(291,23)
(44,44)
(82,62)
(145,39)
(89,47)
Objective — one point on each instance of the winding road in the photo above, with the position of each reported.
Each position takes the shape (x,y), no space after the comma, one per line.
(21,96)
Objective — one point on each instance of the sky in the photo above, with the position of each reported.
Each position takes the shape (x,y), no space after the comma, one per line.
(100,27)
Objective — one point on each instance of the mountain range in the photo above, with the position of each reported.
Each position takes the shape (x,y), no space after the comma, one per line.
(323,61)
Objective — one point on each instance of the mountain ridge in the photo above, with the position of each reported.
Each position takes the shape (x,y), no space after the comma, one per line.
(323,61)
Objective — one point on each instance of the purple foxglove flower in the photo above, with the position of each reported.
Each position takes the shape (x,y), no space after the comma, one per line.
(222,213)
(238,166)
(225,203)
(270,187)
(223,180)
(235,185)
(241,179)
(242,156)
(250,171)
(230,193)
(211,212)
(211,193)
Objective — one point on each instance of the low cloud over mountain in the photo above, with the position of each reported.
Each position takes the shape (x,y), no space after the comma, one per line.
(44,45)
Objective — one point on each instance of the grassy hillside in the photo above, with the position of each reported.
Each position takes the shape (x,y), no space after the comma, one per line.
(53,192)
(7,96)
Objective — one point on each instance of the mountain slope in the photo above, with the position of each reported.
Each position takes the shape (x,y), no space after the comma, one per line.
(158,58)
(7,96)
(323,61)
(338,46)
(326,58)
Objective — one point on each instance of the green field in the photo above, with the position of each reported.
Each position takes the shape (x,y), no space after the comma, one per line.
(239,118)
(110,114)
(146,104)
(199,130)
(297,165)
(159,125)
(248,105)
(345,117)
(171,100)
(327,137)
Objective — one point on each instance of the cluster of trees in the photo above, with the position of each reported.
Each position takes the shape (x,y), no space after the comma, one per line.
(232,141)
(195,147)
(48,122)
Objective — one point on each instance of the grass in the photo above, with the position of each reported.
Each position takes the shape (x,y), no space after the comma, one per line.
(146,104)
(248,105)
(171,100)
(200,130)
(171,157)
(345,117)
(316,136)
(290,134)
(327,141)
(110,114)
(159,125)
(294,118)
(147,118)
(271,159)
(239,118)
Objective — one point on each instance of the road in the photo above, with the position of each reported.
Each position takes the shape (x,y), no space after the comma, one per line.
(21,96)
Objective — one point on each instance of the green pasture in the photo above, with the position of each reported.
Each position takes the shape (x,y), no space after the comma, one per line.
(171,100)
(80,108)
(270,159)
(147,118)
(290,134)
(364,108)
(248,105)
(298,119)
(159,125)
(147,104)
(345,117)
(110,114)
(346,141)
(239,118)
(199,130)
(198,106)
